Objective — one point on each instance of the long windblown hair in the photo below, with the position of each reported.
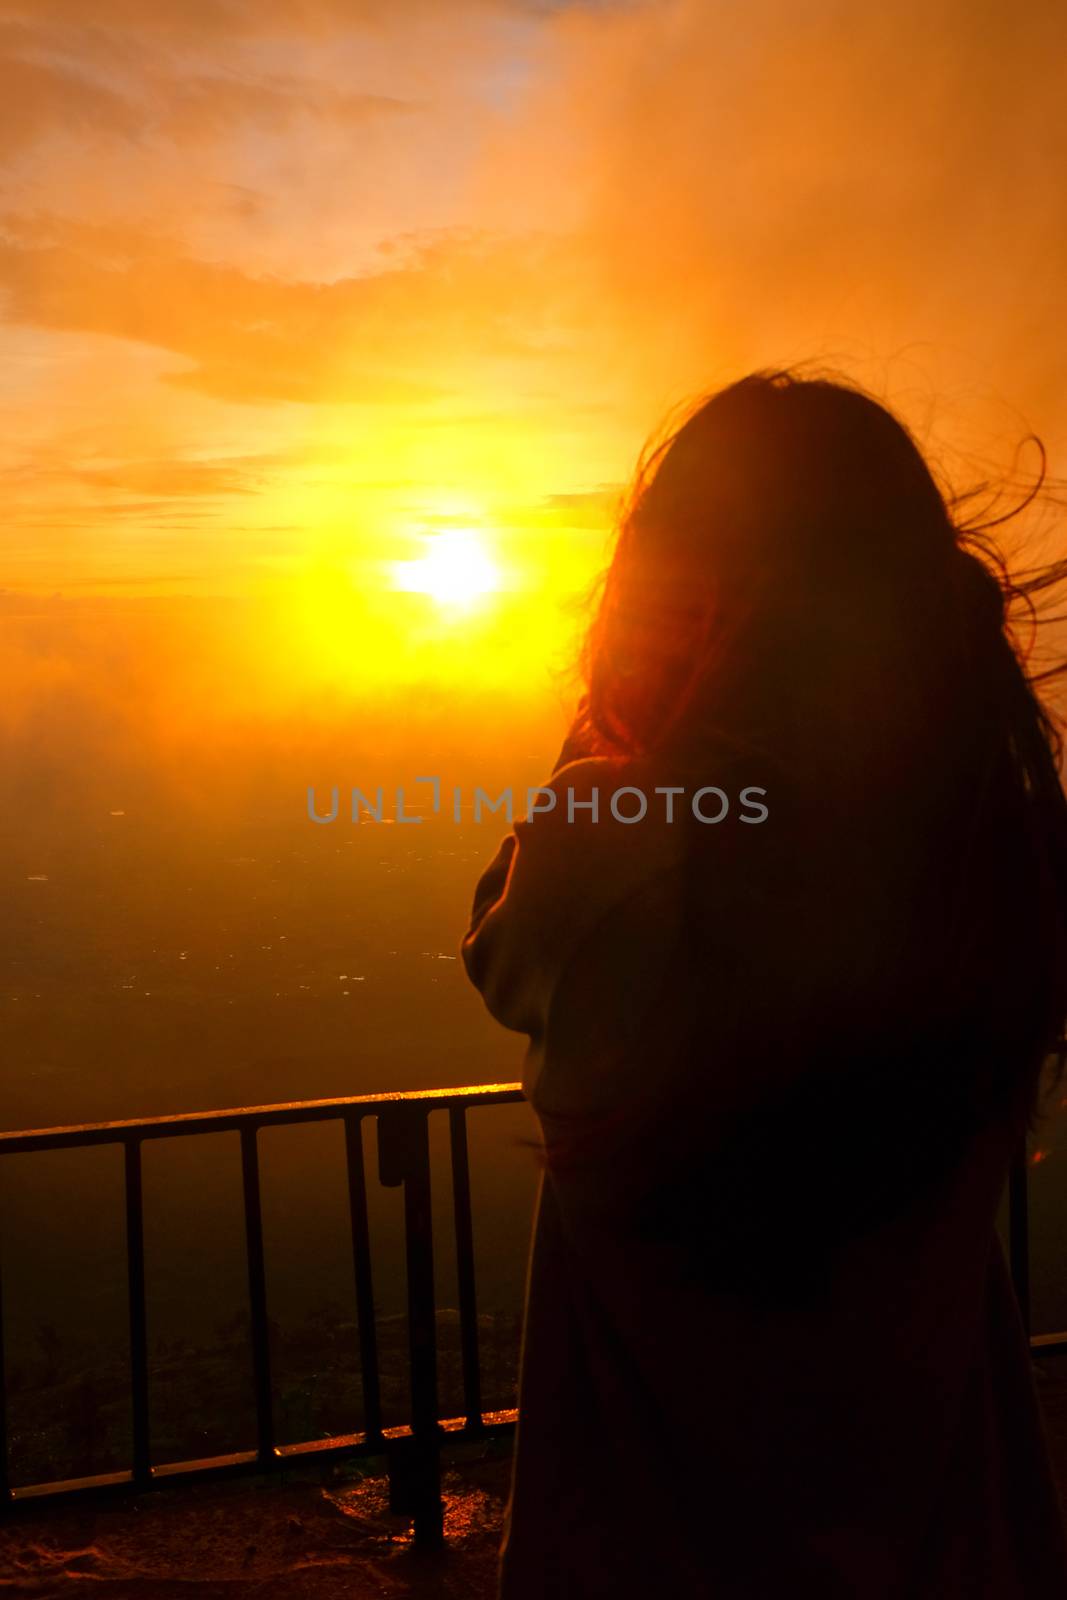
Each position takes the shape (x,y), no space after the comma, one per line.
(784,511)
(792,590)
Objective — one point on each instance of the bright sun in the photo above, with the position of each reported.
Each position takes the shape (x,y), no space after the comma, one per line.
(455,570)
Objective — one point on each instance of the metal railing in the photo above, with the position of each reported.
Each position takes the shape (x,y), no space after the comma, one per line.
(412,1451)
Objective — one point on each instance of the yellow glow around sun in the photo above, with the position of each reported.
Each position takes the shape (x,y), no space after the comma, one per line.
(454,593)
(456,569)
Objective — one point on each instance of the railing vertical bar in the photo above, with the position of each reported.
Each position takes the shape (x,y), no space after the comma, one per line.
(135,1276)
(5,1472)
(415,1466)
(257,1295)
(1019,1232)
(361,1262)
(468,1298)
(422,1333)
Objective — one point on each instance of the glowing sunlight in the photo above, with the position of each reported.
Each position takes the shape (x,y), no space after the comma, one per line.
(455,570)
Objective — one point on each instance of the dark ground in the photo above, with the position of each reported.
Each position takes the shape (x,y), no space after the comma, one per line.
(278,1541)
(302,1540)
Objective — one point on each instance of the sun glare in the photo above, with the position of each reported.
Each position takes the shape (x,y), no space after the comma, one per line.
(455,570)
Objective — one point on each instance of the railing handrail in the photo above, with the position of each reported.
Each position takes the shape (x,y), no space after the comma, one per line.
(234,1118)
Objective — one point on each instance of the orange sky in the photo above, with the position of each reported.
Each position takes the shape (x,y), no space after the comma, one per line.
(292,287)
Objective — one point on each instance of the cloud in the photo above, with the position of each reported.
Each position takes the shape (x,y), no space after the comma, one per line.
(42,98)
(588,508)
(873,187)
(376,339)
(173,477)
(210,106)
(38,99)
(294,152)
(214,19)
(169,476)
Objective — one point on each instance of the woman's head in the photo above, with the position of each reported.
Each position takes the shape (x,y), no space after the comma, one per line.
(788,530)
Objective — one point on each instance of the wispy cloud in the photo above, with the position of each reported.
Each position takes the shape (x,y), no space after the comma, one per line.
(42,98)
(38,100)
(376,339)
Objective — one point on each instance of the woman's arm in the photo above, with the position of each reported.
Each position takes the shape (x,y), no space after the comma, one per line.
(490,885)
(529,904)
(557,874)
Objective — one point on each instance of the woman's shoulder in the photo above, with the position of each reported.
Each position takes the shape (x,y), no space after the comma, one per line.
(601,821)
(646,801)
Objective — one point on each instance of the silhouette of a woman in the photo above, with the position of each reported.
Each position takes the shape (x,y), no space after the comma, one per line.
(781,1062)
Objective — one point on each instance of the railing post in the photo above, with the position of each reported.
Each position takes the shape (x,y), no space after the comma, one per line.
(361,1264)
(135,1279)
(257,1296)
(5,1475)
(415,1466)
(465,1277)
(1019,1232)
